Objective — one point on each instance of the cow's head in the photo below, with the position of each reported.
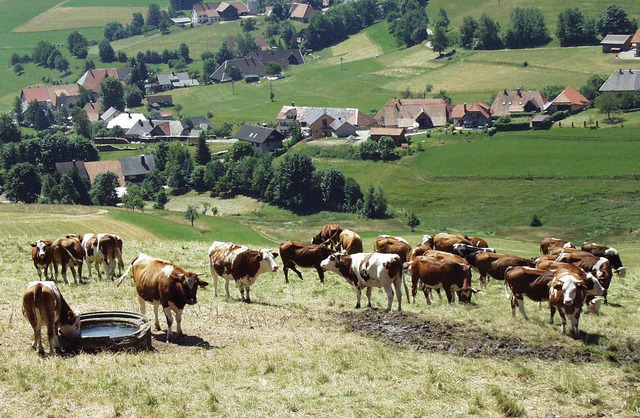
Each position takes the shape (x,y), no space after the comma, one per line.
(464,294)
(614,257)
(427,240)
(70,324)
(41,247)
(317,239)
(594,287)
(570,286)
(190,283)
(267,260)
(331,262)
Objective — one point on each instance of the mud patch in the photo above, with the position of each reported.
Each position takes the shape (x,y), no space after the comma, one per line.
(471,341)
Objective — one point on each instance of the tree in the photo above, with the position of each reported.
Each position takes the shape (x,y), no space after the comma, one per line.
(607,103)
(77,44)
(203,153)
(112,93)
(573,29)
(291,186)
(133,198)
(528,29)
(411,28)
(9,131)
(374,205)
(386,148)
(132,96)
(81,122)
(488,34)
(154,16)
(114,31)
(273,68)
(61,64)
(137,24)
(550,92)
(35,116)
(208,67)
(17,109)
(161,200)
(105,51)
(103,191)
(468,32)
(248,24)
(296,132)
(22,183)
(331,184)
(246,44)
(439,40)
(442,20)
(288,35)
(178,168)
(160,155)
(368,150)
(183,52)
(442,94)
(191,213)
(412,221)
(352,196)
(591,89)
(238,152)
(615,20)
(41,52)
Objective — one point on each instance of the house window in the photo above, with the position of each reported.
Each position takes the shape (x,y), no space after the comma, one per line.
(325,124)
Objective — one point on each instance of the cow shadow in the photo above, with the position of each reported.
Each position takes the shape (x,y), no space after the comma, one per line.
(185,341)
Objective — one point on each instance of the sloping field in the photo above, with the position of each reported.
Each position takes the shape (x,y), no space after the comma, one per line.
(58,18)
(357,47)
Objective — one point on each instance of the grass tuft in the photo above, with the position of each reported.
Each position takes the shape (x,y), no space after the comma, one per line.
(506,404)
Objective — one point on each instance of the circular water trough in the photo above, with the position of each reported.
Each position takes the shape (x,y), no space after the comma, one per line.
(110,330)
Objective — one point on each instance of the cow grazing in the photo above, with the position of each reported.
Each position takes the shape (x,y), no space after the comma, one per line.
(239,263)
(67,252)
(302,255)
(41,255)
(419,250)
(530,282)
(163,283)
(444,241)
(548,245)
(43,305)
(468,252)
(350,242)
(329,236)
(609,253)
(387,244)
(369,270)
(567,293)
(494,264)
(438,273)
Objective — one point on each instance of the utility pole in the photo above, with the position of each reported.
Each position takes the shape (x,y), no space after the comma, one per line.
(341,59)
(271,95)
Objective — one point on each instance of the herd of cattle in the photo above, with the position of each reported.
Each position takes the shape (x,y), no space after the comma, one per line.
(566,277)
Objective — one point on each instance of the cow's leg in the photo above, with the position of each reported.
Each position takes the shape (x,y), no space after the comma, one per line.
(369,290)
(358,295)
(398,286)
(293,267)
(156,306)
(520,301)
(248,298)
(143,307)
(552,313)
(64,273)
(389,292)
(169,316)
(574,318)
(52,333)
(427,294)
(226,287)
(178,313)
(73,273)
(37,339)
(55,271)
(39,272)
(514,303)
(450,295)
(89,267)
(563,318)
(320,274)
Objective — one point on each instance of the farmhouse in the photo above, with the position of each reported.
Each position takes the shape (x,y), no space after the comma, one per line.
(51,97)
(263,139)
(203,13)
(397,134)
(518,101)
(92,78)
(474,116)
(635,42)
(300,12)
(414,113)
(202,123)
(319,120)
(135,169)
(284,57)
(622,80)
(94,110)
(247,66)
(94,168)
(160,100)
(128,169)
(154,130)
(615,43)
(172,81)
(125,120)
(570,99)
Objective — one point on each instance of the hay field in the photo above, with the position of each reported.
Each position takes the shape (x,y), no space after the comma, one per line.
(357,47)
(302,350)
(58,18)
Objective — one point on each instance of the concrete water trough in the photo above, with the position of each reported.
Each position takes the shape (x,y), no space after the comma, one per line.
(110,330)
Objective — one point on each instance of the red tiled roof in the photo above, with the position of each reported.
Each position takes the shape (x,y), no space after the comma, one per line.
(386,131)
(570,96)
(636,37)
(91,79)
(99,167)
(39,94)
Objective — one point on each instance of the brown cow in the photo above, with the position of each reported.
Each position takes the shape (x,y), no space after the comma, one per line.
(43,305)
(101,248)
(548,245)
(67,252)
(302,255)
(478,242)
(609,253)
(495,264)
(161,282)
(387,244)
(594,287)
(419,250)
(42,256)
(350,242)
(600,267)
(567,293)
(444,241)
(437,273)
(532,282)
(329,236)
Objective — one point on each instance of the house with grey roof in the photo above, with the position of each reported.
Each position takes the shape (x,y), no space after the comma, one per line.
(622,80)
(135,169)
(175,80)
(342,128)
(284,57)
(616,43)
(247,66)
(263,139)
(202,123)
(308,116)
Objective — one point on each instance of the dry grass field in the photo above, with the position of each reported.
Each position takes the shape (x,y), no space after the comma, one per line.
(302,350)
(58,18)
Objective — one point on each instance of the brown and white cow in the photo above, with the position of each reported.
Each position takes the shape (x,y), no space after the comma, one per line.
(350,242)
(530,282)
(441,273)
(302,255)
(101,249)
(329,236)
(609,253)
(600,267)
(387,244)
(419,250)
(369,270)
(478,242)
(548,245)
(444,241)
(42,256)
(567,293)
(594,287)
(43,305)
(495,264)
(240,264)
(67,252)
(163,283)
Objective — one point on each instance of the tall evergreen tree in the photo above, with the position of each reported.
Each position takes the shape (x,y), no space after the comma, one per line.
(203,153)
(112,93)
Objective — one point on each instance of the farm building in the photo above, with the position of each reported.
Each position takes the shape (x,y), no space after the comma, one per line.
(263,139)
(215,12)
(517,101)
(622,80)
(414,113)
(247,66)
(94,110)
(284,57)
(615,43)
(51,97)
(570,99)
(314,116)
(92,78)
(471,116)
(300,12)
(397,134)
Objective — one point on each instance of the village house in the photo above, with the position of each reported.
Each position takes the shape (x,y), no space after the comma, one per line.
(284,57)
(324,121)
(204,13)
(622,80)
(635,42)
(473,116)
(300,12)
(92,78)
(94,110)
(517,101)
(160,100)
(247,66)
(615,43)
(414,113)
(51,98)
(135,169)
(397,134)
(570,100)
(263,139)
(128,169)
(170,81)
(125,120)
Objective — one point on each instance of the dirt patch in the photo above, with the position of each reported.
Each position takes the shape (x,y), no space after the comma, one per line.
(471,341)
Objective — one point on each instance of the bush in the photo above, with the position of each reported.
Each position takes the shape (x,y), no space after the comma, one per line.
(536,222)
(522,125)
(560,115)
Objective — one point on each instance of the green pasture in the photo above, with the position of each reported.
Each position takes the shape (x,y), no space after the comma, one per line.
(116,3)
(302,350)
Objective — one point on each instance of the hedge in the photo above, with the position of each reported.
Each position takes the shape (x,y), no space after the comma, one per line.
(512,126)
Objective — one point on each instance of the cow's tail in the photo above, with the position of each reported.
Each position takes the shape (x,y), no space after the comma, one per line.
(126,273)
(404,283)
(76,261)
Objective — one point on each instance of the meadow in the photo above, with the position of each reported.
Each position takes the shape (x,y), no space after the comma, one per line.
(301,349)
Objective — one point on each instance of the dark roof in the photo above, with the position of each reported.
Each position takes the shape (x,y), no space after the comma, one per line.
(258,134)
(134,166)
(281,56)
(622,80)
(250,65)
(199,121)
(67,166)
(539,118)
(165,98)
